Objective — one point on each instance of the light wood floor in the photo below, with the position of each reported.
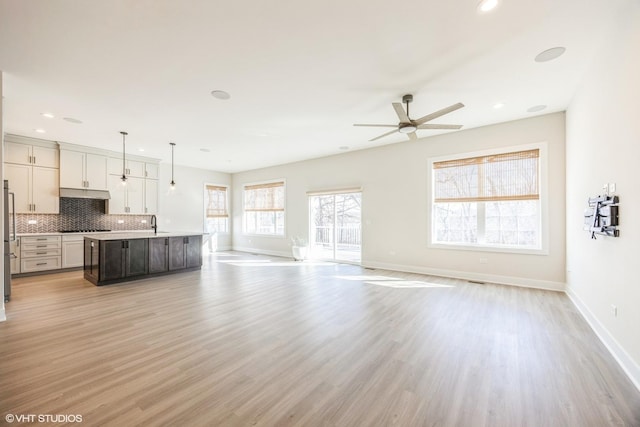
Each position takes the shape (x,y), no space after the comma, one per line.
(255,340)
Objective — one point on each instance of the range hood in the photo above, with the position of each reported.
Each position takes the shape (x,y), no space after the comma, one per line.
(77,193)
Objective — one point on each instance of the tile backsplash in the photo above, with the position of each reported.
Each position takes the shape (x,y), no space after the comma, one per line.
(80,214)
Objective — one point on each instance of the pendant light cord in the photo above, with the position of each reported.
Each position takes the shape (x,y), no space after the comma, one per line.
(172,147)
(124,176)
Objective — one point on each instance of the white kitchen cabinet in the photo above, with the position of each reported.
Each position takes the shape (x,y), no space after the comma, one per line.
(36,188)
(151,170)
(14,250)
(126,199)
(151,196)
(34,155)
(39,253)
(83,170)
(131,167)
(72,251)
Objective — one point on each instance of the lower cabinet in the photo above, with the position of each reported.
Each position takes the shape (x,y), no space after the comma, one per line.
(123,258)
(185,252)
(39,253)
(72,251)
(158,255)
(112,261)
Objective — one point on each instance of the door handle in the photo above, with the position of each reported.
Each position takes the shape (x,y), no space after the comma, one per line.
(13,208)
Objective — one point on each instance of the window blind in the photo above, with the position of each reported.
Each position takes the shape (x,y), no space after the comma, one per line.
(264,197)
(500,177)
(217,202)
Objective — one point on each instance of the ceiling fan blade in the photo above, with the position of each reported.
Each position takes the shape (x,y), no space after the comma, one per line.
(439,113)
(435,126)
(379,126)
(383,135)
(402,115)
(412,136)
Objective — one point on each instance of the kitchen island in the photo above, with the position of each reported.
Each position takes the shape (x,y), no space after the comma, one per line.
(121,257)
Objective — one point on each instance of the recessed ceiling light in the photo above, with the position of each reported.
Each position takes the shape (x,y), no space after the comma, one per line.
(550,54)
(72,120)
(48,115)
(487,5)
(536,108)
(40,130)
(344,147)
(220,94)
(498,105)
(205,150)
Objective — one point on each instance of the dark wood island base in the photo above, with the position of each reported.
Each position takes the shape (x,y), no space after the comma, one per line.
(125,257)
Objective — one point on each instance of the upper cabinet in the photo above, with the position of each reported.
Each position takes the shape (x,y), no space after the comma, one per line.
(151,170)
(31,167)
(83,170)
(25,153)
(131,167)
(140,195)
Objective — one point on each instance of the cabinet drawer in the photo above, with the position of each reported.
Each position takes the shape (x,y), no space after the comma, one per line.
(40,239)
(33,253)
(40,264)
(39,246)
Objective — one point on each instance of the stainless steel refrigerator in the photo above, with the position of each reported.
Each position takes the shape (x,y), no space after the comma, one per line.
(9,234)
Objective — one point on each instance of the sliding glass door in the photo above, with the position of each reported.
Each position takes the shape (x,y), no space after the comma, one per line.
(335,229)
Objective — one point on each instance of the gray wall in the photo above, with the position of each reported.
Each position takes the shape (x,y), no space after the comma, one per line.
(182,209)
(603,146)
(395,209)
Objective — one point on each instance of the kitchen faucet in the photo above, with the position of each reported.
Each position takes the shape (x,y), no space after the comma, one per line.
(154,224)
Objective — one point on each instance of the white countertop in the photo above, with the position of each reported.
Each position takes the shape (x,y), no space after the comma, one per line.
(140,235)
(131,234)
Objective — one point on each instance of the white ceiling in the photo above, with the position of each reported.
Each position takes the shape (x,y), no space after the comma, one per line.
(299,72)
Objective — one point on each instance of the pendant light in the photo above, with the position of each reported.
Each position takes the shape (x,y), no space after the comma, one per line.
(172,183)
(123,177)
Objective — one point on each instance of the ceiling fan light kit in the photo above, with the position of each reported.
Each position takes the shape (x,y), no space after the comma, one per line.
(408,126)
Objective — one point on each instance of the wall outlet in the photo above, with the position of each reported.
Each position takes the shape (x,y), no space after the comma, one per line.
(121,221)
(32,222)
(144,221)
(612,187)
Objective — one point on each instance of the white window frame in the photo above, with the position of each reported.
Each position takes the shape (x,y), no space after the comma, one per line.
(543,248)
(284,213)
(204,203)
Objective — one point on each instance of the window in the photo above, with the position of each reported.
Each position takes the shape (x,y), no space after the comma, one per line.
(491,200)
(216,213)
(264,208)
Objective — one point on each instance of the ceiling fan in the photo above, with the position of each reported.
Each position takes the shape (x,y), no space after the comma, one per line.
(408,126)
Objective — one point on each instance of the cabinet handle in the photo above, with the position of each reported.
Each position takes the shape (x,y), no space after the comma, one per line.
(41,263)
(34,160)
(41,253)
(30,159)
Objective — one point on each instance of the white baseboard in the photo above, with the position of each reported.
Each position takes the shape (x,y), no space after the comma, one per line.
(263,252)
(628,365)
(464,275)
